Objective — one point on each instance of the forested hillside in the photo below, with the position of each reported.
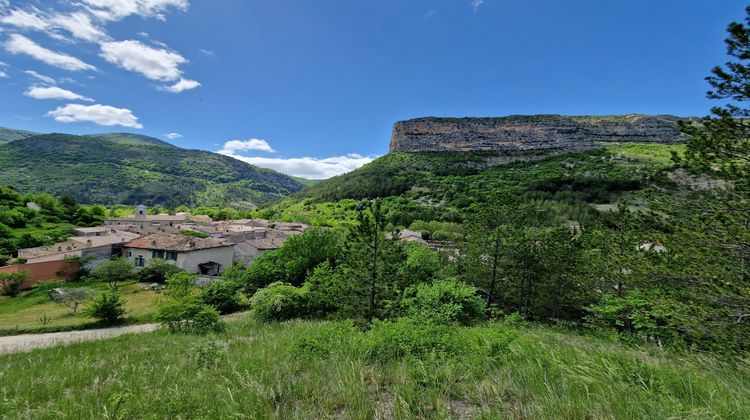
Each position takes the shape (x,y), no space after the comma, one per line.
(134,169)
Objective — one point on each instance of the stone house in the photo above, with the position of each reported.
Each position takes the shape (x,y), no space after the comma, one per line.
(141,219)
(205,256)
(245,252)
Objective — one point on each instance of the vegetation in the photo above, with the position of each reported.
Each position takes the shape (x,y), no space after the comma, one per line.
(184,311)
(311,369)
(10,283)
(23,314)
(48,222)
(107,308)
(131,169)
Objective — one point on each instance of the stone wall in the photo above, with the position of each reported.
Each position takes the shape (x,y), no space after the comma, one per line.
(530,132)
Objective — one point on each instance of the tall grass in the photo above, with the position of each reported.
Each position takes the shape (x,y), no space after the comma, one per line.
(317,370)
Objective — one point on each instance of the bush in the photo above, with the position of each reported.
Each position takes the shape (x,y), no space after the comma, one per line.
(410,337)
(184,311)
(278,301)
(158,271)
(10,283)
(325,339)
(72,297)
(222,295)
(107,308)
(444,302)
(114,270)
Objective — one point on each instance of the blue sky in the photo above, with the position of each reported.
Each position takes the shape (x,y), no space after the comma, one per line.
(312,88)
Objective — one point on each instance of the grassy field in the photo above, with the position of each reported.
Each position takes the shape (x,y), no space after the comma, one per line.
(24,311)
(322,370)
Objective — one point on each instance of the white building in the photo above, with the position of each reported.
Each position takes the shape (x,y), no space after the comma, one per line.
(206,256)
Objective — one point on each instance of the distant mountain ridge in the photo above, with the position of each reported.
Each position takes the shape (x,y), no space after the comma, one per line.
(531,132)
(123,168)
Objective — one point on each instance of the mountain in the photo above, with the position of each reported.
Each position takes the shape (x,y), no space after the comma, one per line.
(10,134)
(532,132)
(123,168)
(441,169)
(131,139)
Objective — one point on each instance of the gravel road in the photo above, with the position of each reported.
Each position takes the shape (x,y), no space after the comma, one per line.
(28,342)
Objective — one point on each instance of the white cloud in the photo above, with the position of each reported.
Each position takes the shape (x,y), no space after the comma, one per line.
(3,74)
(233,146)
(155,64)
(99,114)
(476,3)
(80,25)
(173,136)
(183,84)
(112,10)
(53,92)
(308,167)
(207,52)
(26,19)
(19,44)
(42,78)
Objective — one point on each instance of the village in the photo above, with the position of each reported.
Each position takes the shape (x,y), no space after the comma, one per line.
(194,243)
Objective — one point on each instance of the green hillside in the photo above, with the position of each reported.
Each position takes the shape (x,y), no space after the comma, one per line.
(449,186)
(10,134)
(131,169)
(130,139)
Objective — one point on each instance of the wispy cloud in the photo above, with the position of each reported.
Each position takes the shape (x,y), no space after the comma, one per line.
(153,63)
(476,3)
(182,85)
(19,44)
(99,114)
(54,92)
(172,136)
(42,78)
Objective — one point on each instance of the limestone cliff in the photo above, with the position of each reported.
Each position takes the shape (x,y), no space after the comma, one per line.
(530,132)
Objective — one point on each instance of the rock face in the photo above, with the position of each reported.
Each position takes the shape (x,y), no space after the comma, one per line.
(530,132)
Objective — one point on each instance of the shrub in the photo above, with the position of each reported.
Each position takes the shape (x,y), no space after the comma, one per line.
(325,339)
(114,271)
(192,233)
(4,259)
(210,355)
(72,297)
(444,302)
(222,295)
(158,271)
(410,337)
(10,283)
(278,301)
(107,308)
(184,311)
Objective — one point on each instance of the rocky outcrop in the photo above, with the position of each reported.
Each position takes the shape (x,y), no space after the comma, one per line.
(530,132)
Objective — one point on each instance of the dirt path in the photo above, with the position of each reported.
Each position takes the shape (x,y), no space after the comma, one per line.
(27,342)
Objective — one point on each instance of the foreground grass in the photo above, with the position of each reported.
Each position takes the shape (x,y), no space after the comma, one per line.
(262,371)
(24,311)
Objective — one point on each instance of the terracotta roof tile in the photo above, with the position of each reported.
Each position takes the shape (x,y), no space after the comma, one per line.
(178,243)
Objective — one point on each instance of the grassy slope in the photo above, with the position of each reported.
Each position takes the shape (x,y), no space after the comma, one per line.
(262,374)
(96,170)
(23,312)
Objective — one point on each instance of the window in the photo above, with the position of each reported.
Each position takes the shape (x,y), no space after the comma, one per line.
(171,256)
(139,261)
(157,254)
(130,254)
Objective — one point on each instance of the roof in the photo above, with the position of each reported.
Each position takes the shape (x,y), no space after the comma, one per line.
(266,243)
(177,243)
(91,229)
(96,241)
(151,218)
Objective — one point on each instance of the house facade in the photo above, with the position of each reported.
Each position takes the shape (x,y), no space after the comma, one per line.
(141,219)
(205,256)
